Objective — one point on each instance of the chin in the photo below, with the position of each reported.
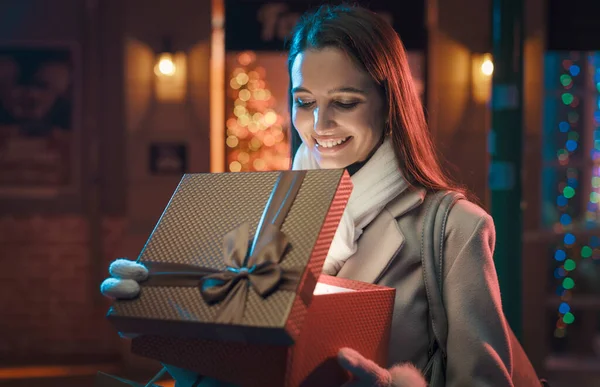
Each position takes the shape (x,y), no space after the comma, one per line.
(332,164)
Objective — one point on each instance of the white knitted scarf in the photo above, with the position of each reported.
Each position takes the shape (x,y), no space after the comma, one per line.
(375,185)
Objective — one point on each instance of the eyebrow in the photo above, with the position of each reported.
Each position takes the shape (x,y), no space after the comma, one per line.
(332,91)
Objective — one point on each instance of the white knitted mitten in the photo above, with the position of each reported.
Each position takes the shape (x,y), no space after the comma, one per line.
(368,374)
(123,283)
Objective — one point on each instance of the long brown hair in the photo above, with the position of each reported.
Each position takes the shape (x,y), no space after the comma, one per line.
(376,48)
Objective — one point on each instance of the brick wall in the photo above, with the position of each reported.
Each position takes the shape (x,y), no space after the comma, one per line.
(48,289)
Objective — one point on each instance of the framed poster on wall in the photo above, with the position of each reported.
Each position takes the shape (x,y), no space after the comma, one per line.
(167,158)
(38,99)
(265,25)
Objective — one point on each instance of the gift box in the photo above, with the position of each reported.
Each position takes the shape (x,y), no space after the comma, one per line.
(234,262)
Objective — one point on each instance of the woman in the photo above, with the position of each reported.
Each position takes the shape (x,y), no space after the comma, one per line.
(354,106)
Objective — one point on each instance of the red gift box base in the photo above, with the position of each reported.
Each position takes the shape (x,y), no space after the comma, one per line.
(359,319)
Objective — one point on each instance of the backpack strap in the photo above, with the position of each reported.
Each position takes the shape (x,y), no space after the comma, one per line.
(432,256)
(432,260)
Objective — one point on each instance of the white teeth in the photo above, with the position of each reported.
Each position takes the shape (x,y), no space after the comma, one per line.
(331,143)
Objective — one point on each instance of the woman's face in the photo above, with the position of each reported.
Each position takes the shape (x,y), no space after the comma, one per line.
(337,108)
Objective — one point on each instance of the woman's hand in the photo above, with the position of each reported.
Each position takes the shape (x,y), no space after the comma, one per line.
(123,283)
(124,280)
(368,374)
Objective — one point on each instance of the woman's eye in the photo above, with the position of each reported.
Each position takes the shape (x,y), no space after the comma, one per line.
(303,103)
(346,105)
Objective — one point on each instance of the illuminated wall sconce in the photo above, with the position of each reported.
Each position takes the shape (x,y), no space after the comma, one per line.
(171,74)
(487,67)
(165,65)
(483,69)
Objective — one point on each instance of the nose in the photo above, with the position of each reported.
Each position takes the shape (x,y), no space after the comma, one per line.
(322,120)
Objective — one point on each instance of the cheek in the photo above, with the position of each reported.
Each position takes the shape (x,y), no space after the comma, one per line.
(377,127)
(301,120)
(365,124)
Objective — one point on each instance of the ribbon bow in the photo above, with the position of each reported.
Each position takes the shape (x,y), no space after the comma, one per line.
(261,271)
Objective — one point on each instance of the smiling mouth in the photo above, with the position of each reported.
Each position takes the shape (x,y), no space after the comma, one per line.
(331,143)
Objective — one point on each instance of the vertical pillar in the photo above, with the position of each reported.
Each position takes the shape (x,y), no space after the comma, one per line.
(505,146)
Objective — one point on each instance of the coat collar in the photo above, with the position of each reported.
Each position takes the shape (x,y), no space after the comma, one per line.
(382,240)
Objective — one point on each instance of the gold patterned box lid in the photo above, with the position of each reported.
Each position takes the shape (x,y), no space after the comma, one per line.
(209,223)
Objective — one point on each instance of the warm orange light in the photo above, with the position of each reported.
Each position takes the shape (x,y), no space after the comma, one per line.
(165,65)
(270,117)
(235,166)
(481,77)
(487,67)
(246,58)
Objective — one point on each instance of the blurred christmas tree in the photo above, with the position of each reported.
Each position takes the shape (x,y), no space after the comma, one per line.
(256,136)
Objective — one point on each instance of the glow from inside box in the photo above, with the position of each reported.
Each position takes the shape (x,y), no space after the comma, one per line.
(322,288)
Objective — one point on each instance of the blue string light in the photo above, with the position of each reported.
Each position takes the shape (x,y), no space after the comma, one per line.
(567,191)
(564,308)
(574,69)
(572,250)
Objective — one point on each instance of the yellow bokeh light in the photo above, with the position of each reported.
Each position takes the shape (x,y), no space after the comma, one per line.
(244,95)
(258,94)
(242,78)
(244,120)
(237,71)
(254,127)
(243,157)
(270,117)
(232,141)
(239,111)
(255,144)
(278,136)
(257,116)
(245,58)
(259,164)
(239,102)
(267,95)
(235,166)
(234,84)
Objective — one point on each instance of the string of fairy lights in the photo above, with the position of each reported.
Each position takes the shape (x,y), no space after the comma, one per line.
(256,134)
(571,252)
(567,190)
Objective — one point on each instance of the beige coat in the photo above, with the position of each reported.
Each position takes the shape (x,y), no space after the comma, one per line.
(389,254)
